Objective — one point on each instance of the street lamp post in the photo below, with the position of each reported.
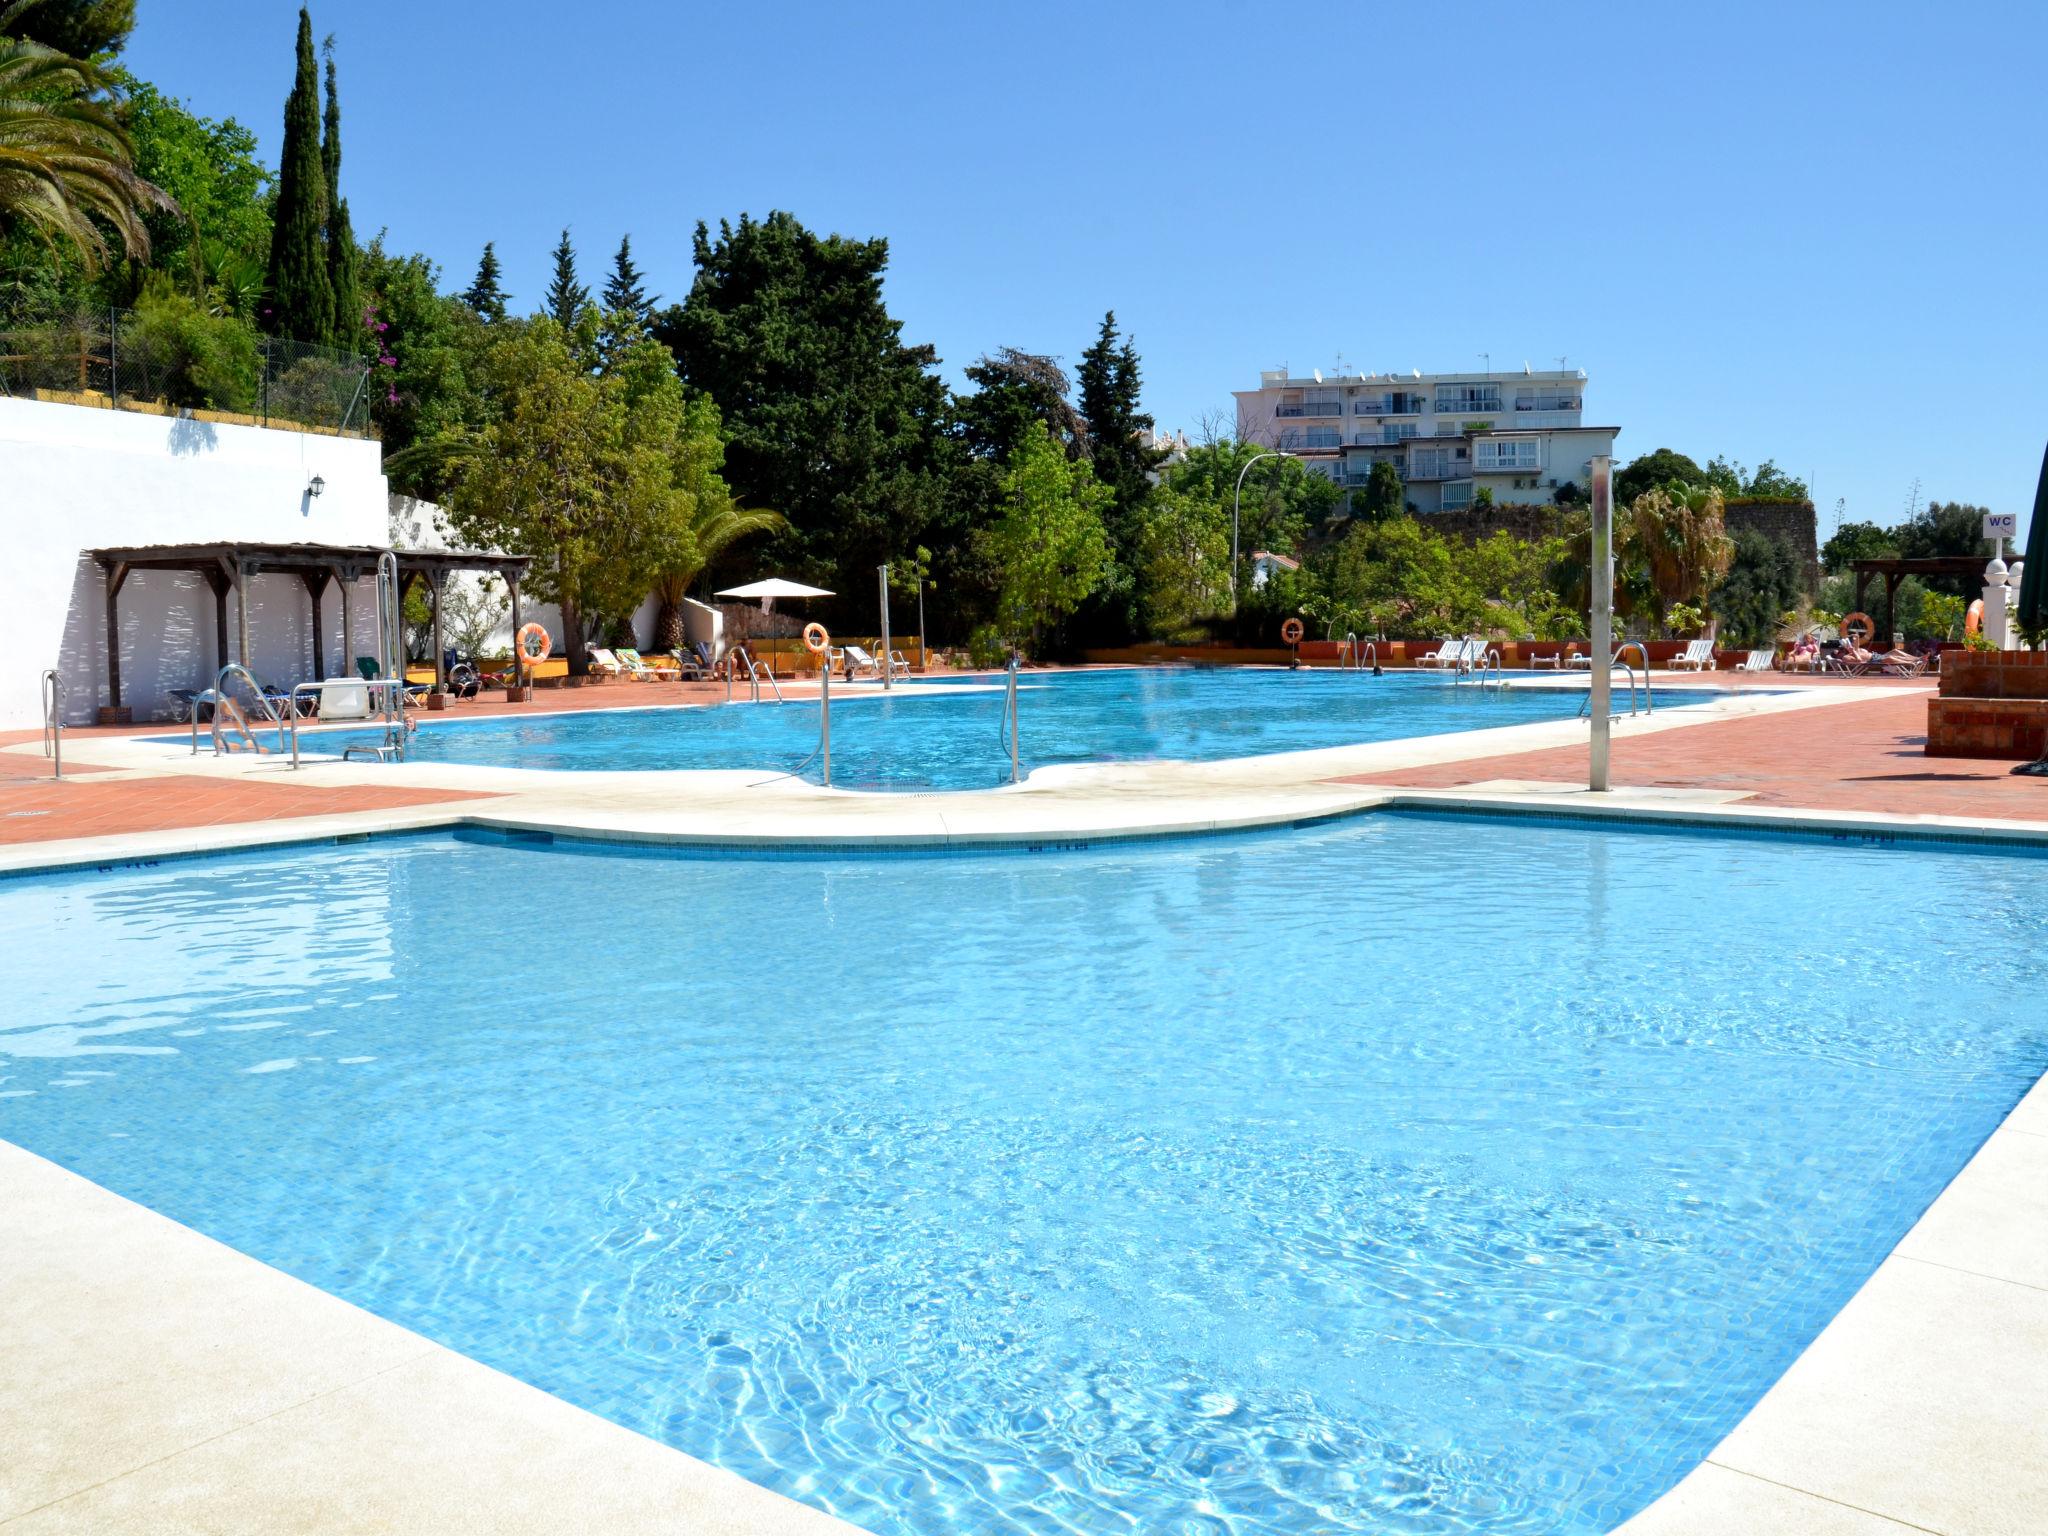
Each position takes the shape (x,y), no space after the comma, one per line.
(1234,495)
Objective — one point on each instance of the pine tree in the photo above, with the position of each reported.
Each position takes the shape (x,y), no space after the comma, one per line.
(484,295)
(566,297)
(301,297)
(623,293)
(342,259)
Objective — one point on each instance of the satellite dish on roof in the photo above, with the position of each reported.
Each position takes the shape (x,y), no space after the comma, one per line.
(1527,371)
(1317,373)
(1418,373)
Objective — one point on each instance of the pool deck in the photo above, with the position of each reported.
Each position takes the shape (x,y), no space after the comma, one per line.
(233,1397)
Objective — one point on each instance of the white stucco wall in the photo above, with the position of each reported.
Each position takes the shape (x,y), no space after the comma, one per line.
(73,479)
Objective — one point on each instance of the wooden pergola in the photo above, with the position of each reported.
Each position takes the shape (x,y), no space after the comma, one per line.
(1895,569)
(229,567)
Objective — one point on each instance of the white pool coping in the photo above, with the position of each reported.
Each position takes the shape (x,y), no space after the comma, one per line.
(1916,1409)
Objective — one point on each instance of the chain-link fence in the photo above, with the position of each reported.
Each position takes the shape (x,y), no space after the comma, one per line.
(173,361)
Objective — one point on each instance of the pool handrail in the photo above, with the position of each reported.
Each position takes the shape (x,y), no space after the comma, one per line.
(825,723)
(52,685)
(1620,660)
(1010,708)
(368,683)
(220,694)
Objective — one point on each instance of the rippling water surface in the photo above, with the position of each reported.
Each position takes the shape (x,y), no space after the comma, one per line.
(949,736)
(1406,1175)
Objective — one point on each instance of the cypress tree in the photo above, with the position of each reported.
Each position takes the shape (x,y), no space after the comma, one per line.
(566,296)
(342,260)
(301,298)
(484,295)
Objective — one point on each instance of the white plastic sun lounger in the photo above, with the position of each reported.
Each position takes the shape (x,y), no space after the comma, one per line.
(1449,654)
(1698,657)
(860,664)
(1757,661)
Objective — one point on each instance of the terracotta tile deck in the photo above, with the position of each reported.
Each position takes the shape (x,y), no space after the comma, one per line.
(1850,757)
(32,812)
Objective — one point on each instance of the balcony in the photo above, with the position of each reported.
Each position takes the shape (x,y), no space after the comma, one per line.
(1437,466)
(1311,408)
(1380,407)
(1525,420)
(1548,403)
(1475,405)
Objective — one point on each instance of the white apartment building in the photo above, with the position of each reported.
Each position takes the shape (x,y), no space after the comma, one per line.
(1521,435)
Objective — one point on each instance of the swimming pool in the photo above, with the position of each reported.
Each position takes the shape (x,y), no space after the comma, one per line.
(1406,1174)
(944,736)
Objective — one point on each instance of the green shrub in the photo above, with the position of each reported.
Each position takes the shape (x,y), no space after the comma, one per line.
(172,350)
(985,647)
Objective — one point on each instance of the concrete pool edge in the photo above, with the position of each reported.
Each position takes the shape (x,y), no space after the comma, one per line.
(233,1396)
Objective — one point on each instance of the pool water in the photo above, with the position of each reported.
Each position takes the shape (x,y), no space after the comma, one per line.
(1401,1175)
(945,736)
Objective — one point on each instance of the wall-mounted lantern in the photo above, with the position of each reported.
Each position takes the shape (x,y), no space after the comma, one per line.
(316,487)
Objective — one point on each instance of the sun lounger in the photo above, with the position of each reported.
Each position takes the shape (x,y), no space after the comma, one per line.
(637,667)
(1449,654)
(1698,656)
(1556,659)
(859,663)
(1757,661)
(602,661)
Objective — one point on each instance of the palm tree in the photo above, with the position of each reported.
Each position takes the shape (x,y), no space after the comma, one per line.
(714,526)
(1681,534)
(66,163)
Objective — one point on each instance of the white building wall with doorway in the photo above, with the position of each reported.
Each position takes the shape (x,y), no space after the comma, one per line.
(73,479)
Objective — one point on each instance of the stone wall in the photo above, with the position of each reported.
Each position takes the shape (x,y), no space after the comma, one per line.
(1791,523)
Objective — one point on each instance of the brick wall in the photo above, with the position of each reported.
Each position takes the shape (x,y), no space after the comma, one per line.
(2000,728)
(1994,675)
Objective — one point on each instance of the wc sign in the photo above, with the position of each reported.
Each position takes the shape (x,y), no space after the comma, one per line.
(2001,525)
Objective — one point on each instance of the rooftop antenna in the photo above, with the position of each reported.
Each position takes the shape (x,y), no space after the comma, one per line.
(1487,358)
(1560,364)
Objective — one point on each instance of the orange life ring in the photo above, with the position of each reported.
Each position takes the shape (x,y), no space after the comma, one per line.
(1853,620)
(1291,631)
(817,638)
(527,654)
(1973,619)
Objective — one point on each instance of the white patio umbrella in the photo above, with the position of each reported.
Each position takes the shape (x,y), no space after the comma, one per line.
(770,588)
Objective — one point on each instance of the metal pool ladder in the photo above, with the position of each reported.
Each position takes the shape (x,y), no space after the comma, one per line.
(1620,660)
(753,676)
(53,721)
(220,697)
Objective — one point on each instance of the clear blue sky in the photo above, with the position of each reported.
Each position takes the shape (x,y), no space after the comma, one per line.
(1800,231)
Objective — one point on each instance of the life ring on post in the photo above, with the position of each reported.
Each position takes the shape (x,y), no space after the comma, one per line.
(533,645)
(1292,631)
(817,638)
(1973,619)
(1863,625)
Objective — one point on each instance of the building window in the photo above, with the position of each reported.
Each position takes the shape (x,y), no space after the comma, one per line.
(1507,455)
(1324,437)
